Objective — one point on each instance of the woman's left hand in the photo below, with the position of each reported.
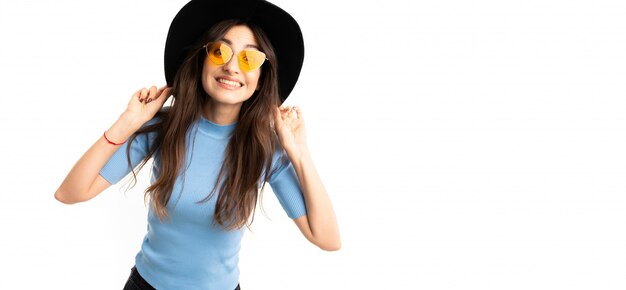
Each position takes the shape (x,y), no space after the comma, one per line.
(289,126)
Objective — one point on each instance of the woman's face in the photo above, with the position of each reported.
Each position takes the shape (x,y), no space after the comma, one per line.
(214,77)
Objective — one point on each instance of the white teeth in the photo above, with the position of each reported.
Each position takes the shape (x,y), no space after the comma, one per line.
(236,84)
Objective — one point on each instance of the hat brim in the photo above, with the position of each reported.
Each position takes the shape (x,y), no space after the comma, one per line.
(198,16)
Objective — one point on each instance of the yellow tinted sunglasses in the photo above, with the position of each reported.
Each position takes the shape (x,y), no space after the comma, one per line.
(220,53)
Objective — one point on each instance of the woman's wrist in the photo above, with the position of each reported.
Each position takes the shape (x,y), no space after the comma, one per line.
(297,153)
(130,121)
(121,130)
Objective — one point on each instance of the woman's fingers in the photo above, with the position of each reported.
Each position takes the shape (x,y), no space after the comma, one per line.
(292,112)
(298,111)
(162,95)
(137,94)
(142,105)
(147,95)
(160,91)
(152,94)
(143,95)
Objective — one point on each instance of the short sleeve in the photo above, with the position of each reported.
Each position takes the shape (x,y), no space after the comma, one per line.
(117,167)
(284,183)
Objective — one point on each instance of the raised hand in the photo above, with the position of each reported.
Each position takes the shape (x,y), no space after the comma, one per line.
(289,126)
(145,103)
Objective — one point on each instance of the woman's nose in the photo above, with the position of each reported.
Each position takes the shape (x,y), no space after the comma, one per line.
(232,65)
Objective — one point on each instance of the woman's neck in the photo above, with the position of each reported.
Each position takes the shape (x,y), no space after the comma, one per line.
(221,114)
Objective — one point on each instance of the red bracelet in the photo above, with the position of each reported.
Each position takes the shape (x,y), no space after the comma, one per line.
(111,142)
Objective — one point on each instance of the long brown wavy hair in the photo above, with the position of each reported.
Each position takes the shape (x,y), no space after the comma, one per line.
(250,149)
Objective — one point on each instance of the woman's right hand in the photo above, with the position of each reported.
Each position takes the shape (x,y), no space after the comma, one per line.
(145,103)
(84,181)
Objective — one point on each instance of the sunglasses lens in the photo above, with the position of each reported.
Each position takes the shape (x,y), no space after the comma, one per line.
(251,59)
(219,53)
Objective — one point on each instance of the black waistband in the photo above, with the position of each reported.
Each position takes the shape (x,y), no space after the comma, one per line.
(145,285)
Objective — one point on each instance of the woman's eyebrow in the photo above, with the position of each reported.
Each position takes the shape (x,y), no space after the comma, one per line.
(245,46)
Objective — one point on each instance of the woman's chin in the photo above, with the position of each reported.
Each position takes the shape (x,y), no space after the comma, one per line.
(228,99)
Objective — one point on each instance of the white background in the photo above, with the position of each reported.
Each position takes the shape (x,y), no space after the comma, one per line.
(465,144)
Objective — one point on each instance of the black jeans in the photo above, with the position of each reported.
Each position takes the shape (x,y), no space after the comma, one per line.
(136,282)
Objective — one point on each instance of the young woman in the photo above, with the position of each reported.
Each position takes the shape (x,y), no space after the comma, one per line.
(229,66)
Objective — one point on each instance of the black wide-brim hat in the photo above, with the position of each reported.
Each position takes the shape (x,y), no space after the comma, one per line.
(197,16)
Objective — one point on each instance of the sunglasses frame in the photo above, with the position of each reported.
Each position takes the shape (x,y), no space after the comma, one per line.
(206,49)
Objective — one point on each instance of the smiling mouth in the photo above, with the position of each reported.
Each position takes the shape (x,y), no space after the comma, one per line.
(229,83)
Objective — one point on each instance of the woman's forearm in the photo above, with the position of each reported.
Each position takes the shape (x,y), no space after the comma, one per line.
(76,186)
(320,214)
